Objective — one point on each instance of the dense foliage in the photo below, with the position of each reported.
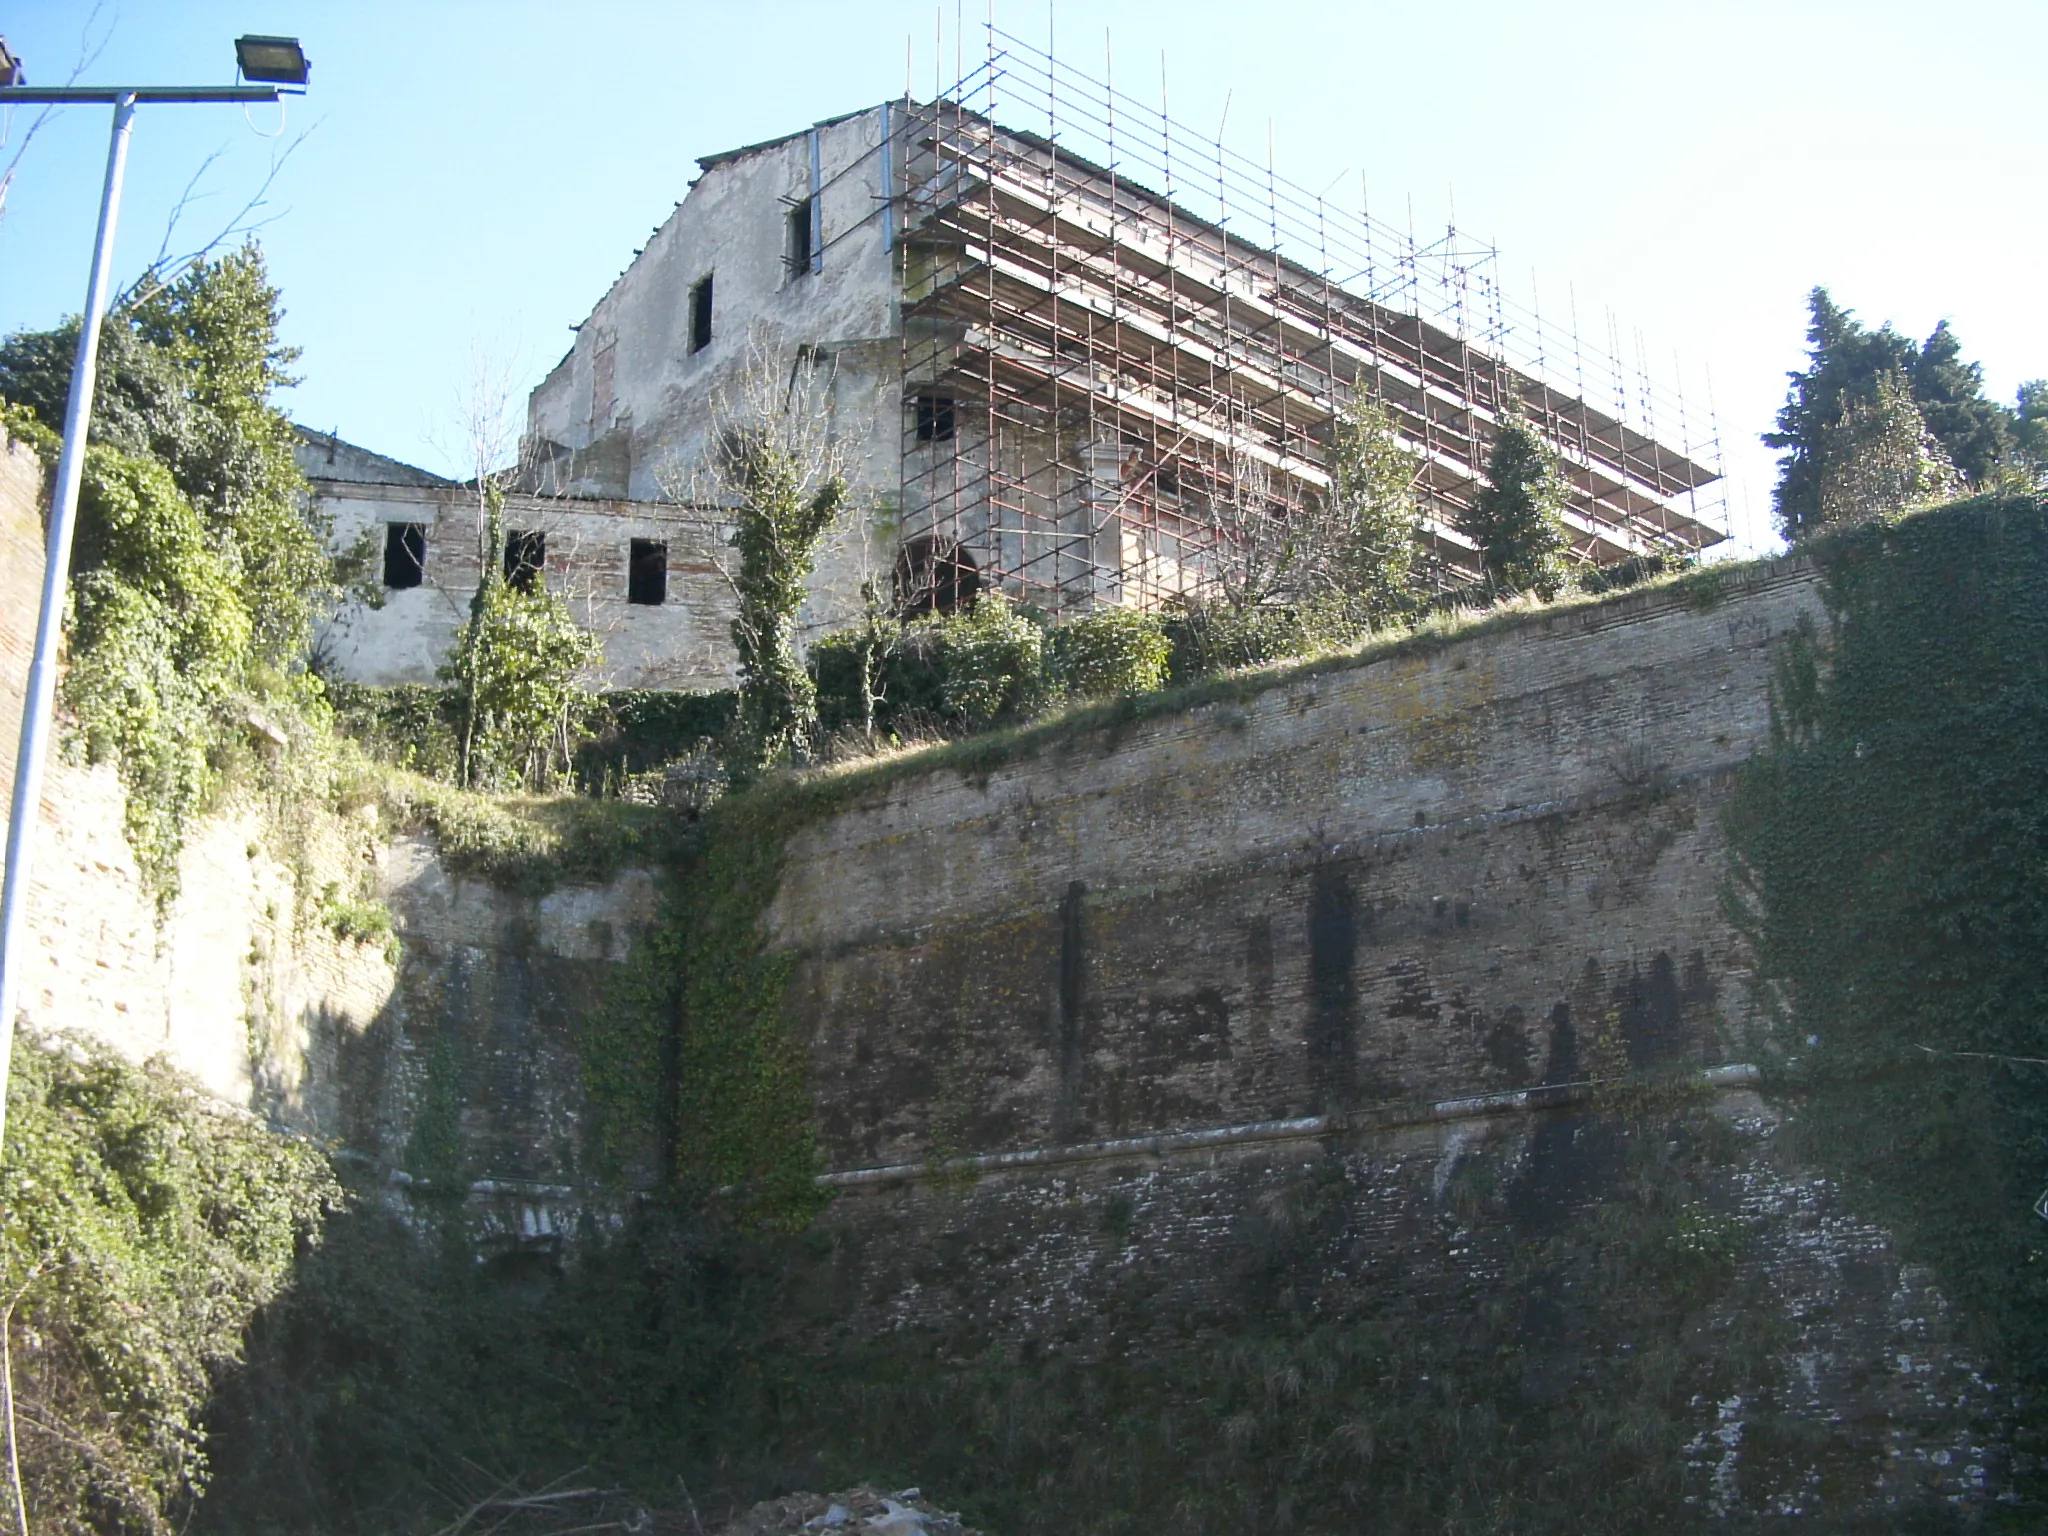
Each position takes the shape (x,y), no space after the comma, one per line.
(1847,400)
(516,675)
(1371,545)
(188,371)
(1514,520)
(141,1226)
(196,572)
(1115,653)
(1892,845)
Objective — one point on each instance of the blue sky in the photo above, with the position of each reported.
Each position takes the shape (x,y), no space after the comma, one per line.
(477,174)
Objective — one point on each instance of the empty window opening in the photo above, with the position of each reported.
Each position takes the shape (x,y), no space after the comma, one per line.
(932,577)
(800,237)
(700,314)
(526,556)
(405,555)
(935,418)
(647,572)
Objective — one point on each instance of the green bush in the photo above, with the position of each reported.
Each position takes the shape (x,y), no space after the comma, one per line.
(142,1226)
(1113,653)
(415,726)
(1206,638)
(637,730)
(993,664)
(962,671)
(1634,571)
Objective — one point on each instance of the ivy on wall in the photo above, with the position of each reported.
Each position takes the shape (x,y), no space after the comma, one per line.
(1892,852)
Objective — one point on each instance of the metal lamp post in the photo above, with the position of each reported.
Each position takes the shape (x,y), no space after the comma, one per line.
(279,62)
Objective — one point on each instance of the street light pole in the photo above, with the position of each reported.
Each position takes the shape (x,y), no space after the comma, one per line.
(26,812)
(22,819)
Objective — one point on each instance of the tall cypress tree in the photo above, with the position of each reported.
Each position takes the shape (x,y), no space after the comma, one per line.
(1515,518)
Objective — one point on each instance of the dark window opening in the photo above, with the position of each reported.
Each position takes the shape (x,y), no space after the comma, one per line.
(800,238)
(647,572)
(935,418)
(700,314)
(526,556)
(935,578)
(1168,480)
(405,555)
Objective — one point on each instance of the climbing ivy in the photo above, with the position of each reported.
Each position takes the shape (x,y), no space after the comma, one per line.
(141,1226)
(1891,847)
(743,1116)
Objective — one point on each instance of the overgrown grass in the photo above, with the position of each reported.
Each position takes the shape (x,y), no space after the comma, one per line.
(525,843)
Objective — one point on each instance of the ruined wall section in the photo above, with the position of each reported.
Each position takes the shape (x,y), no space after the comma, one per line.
(1295,1011)
(682,643)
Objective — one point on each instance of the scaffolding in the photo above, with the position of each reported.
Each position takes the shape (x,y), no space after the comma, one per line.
(1113,327)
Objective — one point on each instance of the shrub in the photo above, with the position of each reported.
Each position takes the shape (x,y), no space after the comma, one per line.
(993,664)
(1116,652)
(141,1226)
(964,671)
(1206,638)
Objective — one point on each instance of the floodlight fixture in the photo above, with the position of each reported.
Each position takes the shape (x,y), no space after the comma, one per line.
(10,67)
(275,60)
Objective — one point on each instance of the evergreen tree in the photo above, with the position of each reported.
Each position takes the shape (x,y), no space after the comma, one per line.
(2030,430)
(1515,519)
(1976,433)
(1372,515)
(1845,362)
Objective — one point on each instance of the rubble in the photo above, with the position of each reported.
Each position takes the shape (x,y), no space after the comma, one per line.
(854,1512)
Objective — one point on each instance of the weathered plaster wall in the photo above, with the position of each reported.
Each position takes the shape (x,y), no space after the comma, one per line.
(632,403)
(237,985)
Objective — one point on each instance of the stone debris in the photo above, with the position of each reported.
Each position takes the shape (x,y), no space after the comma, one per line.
(853,1512)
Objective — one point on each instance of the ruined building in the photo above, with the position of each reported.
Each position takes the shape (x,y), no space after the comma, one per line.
(1067,360)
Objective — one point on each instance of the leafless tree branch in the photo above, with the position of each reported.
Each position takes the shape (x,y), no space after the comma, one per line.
(88,54)
(161,271)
